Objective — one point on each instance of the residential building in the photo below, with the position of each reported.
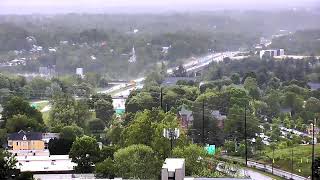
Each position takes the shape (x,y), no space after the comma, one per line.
(219,117)
(25,141)
(186,117)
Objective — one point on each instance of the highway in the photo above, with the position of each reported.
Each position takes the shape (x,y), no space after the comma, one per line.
(277,172)
(193,65)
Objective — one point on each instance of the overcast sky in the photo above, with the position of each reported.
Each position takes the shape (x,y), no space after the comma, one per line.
(63,6)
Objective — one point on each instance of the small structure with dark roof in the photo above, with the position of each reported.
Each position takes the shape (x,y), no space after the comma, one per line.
(25,141)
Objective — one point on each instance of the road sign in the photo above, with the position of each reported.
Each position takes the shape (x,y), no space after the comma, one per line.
(211,149)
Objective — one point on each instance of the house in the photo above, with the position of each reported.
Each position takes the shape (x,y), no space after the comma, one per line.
(186,117)
(310,130)
(219,117)
(25,141)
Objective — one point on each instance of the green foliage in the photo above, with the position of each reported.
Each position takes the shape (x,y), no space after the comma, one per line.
(71,132)
(235,124)
(104,110)
(105,169)
(66,111)
(84,152)
(194,156)
(136,161)
(22,122)
(59,146)
(7,164)
(16,110)
(96,125)
(140,131)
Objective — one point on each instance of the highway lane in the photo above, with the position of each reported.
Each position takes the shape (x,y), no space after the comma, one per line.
(190,66)
(277,172)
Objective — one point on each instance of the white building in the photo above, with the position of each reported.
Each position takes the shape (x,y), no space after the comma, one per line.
(272,52)
(173,168)
(79,72)
(53,163)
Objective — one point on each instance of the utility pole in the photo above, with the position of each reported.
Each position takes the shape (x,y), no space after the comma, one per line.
(313,142)
(272,159)
(292,162)
(203,123)
(161,97)
(245,133)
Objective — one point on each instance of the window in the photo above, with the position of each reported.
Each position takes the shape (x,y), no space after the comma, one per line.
(17,143)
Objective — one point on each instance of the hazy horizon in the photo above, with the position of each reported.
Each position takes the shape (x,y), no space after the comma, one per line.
(138,6)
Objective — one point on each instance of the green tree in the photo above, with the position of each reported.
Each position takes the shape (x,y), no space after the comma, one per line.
(17,105)
(114,133)
(84,152)
(71,132)
(96,125)
(66,111)
(140,102)
(235,78)
(194,156)
(136,161)
(251,85)
(22,122)
(140,131)
(235,123)
(105,169)
(104,110)
(7,164)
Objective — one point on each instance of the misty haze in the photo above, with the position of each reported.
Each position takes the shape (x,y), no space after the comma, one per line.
(170,89)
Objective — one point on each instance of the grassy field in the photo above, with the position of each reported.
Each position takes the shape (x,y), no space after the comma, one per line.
(301,159)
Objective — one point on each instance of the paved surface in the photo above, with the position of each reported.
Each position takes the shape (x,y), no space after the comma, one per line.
(277,172)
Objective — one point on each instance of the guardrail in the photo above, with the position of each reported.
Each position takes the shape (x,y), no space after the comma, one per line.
(268,168)
(277,172)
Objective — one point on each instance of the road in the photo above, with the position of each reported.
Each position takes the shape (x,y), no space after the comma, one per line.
(241,172)
(277,172)
(267,168)
(190,66)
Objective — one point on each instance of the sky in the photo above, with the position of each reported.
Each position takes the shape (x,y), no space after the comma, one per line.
(90,6)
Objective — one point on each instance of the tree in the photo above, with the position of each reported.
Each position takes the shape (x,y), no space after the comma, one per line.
(137,162)
(17,105)
(84,152)
(22,122)
(71,132)
(251,85)
(104,110)
(235,78)
(96,125)
(105,169)
(66,111)
(316,168)
(194,156)
(235,124)
(68,135)
(140,102)
(7,164)
(140,131)
(114,133)
(59,146)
